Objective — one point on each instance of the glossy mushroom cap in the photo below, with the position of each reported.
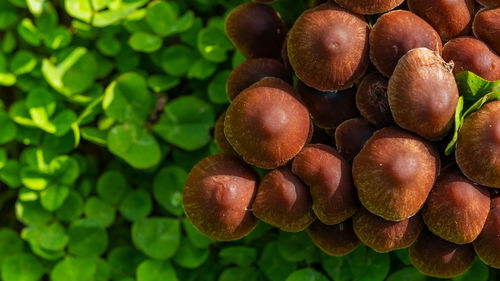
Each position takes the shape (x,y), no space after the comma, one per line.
(329,109)
(383,235)
(218,195)
(478,145)
(470,54)
(351,136)
(371,100)
(486,27)
(328,47)
(437,257)
(251,24)
(394,173)
(396,33)
(283,201)
(267,124)
(457,208)
(252,71)
(328,176)
(369,7)
(487,244)
(449,18)
(423,94)
(334,240)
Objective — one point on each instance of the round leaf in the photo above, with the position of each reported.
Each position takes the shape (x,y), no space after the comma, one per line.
(22,267)
(136,205)
(189,256)
(100,211)
(167,188)
(87,238)
(152,270)
(306,274)
(112,186)
(145,42)
(74,269)
(158,238)
(186,123)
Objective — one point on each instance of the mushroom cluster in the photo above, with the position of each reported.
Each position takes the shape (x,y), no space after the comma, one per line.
(346,117)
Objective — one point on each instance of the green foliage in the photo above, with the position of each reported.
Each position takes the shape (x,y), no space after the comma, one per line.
(106,106)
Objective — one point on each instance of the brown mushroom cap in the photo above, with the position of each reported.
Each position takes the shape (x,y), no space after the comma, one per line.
(449,18)
(218,195)
(394,173)
(251,24)
(423,94)
(334,240)
(329,109)
(371,100)
(383,235)
(369,7)
(470,54)
(253,70)
(219,137)
(267,125)
(489,3)
(328,176)
(437,257)
(478,145)
(487,244)
(456,208)
(351,136)
(328,47)
(396,33)
(283,201)
(486,27)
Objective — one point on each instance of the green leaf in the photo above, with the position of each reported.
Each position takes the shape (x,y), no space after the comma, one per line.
(158,238)
(403,255)
(71,208)
(65,169)
(368,265)
(8,15)
(100,4)
(74,269)
(128,98)
(123,262)
(57,38)
(239,255)
(112,186)
(153,270)
(161,16)
(213,44)
(136,205)
(54,196)
(35,6)
(41,105)
(167,188)
(22,267)
(116,12)
(94,135)
(23,62)
(74,74)
(29,33)
(202,69)
(87,238)
(177,59)
(336,267)
(10,174)
(80,9)
(53,237)
(161,83)
(478,272)
(108,45)
(34,236)
(134,145)
(306,274)
(197,238)
(8,129)
(407,274)
(217,87)
(274,266)
(10,243)
(145,42)
(63,121)
(100,211)
(189,256)
(294,247)
(472,87)
(240,273)
(186,123)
